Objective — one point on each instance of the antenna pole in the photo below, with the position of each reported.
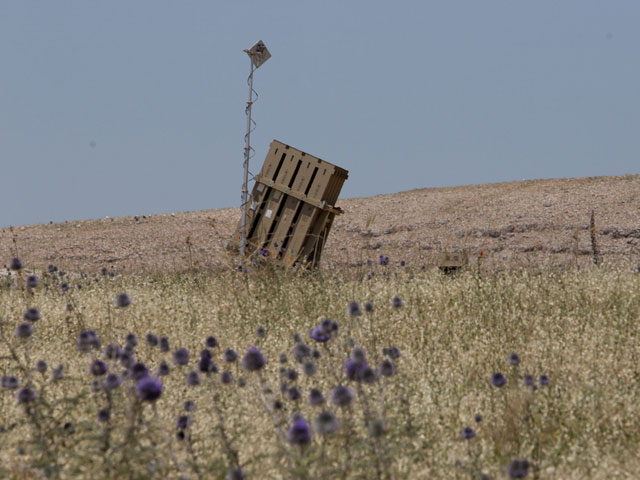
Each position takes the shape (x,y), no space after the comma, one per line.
(247,154)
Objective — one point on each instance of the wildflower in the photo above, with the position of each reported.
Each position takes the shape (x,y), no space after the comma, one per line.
(32,281)
(151,339)
(230,355)
(294,394)
(309,367)
(315,353)
(368,307)
(368,375)
(291,374)
(376,428)
(206,365)
(283,358)
(383,260)
(9,382)
(387,368)
(297,338)
(15,264)
(514,359)
(325,423)
(32,314)
(315,397)
(163,369)
(123,300)
(261,332)
(181,356)
(300,351)
(341,396)
(104,415)
(64,286)
(112,351)
(358,354)
(211,342)
(69,428)
(320,335)
(498,380)
(468,433)
(193,378)
(529,380)
(149,389)
(478,418)
(41,366)
(96,386)
(127,359)
(98,368)
(328,325)
(180,435)
(112,381)
(139,370)
(354,309)
(57,373)
(518,468)
(164,344)
(391,352)
(299,433)
(235,473)
(24,330)
(88,339)
(355,369)
(183,422)
(226,377)
(543,380)
(396,302)
(52,268)
(189,406)
(26,395)
(254,359)
(131,340)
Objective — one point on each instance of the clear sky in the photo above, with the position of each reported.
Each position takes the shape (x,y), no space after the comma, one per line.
(127,107)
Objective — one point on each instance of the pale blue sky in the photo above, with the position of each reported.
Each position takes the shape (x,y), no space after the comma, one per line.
(137,107)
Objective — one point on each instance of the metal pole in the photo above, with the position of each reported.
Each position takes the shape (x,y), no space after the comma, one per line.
(247,154)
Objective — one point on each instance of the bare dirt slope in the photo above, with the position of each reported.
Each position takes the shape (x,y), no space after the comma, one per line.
(533,222)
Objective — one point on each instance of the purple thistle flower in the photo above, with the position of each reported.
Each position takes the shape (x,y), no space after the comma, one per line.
(104,415)
(320,335)
(123,300)
(368,307)
(299,433)
(131,340)
(151,339)
(57,373)
(387,368)
(52,268)
(230,355)
(41,366)
(206,365)
(498,380)
(10,382)
(88,339)
(112,381)
(235,473)
(112,351)
(98,368)
(226,377)
(358,354)
(32,281)
(514,359)
(518,468)
(163,369)
(193,378)
(189,406)
(544,380)
(139,370)
(24,330)
(211,342)
(261,331)
(15,264)
(478,418)
(396,302)
(301,350)
(291,374)
(341,396)
(392,352)
(64,286)
(468,433)
(149,389)
(315,397)
(529,380)
(206,353)
(26,395)
(127,359)
(164,344)
(354,309)
(294,394)
(325,423)
(32,314)
(253,360)
(309,367)
(183,422)
(181,356)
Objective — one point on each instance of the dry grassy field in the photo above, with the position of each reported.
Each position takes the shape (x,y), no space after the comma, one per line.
(525,365)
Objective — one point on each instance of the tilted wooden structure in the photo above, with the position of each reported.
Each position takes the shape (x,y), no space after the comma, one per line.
(292,207)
